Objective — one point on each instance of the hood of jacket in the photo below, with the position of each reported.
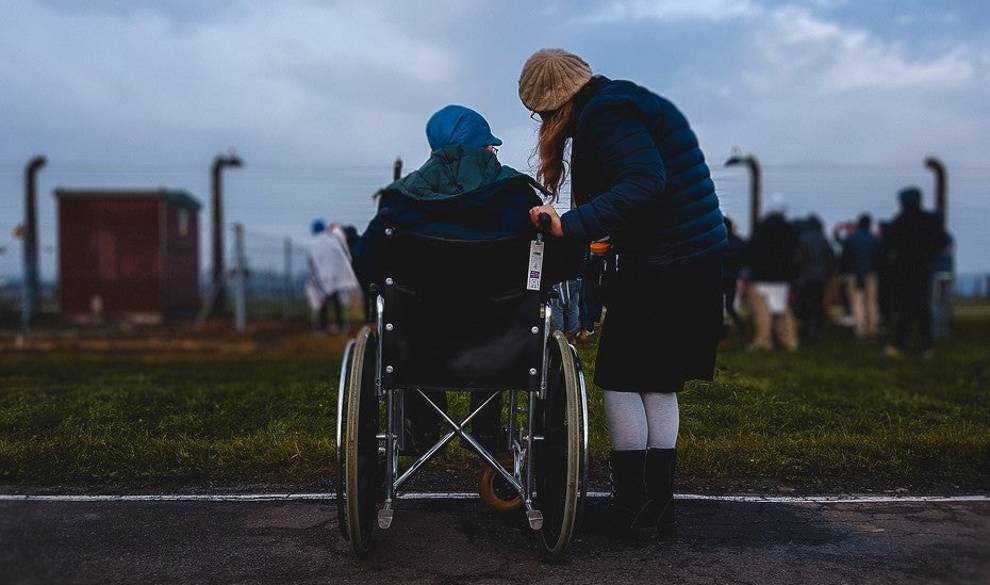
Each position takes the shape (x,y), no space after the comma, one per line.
(454,171)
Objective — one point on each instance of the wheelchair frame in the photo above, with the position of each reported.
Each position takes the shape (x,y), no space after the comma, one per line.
(524,440)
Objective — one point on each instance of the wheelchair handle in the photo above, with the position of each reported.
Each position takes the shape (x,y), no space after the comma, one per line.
(544,222)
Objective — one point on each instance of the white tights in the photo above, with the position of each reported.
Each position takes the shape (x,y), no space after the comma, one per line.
(642,421)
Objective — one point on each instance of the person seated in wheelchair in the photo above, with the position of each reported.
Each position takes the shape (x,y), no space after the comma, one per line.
(462,192)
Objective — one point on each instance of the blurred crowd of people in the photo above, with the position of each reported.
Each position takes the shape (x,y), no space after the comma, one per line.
(889,277)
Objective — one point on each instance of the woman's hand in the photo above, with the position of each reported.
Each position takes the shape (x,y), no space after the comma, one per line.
(556,229)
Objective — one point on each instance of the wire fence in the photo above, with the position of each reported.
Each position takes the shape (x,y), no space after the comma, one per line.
(273,201)
(276,269)
(275,273)
(971,286)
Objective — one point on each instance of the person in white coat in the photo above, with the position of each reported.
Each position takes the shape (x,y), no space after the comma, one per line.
(331,278)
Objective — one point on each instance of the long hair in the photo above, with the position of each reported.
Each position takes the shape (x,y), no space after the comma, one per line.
(555,130)
(551,146)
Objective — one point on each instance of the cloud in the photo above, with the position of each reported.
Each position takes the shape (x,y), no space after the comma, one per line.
(799,49)
(295,79)
(182,15)
(809,88)
(672,10)
(350,83)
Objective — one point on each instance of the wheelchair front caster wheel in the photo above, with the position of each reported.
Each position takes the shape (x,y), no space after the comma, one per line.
(496,493)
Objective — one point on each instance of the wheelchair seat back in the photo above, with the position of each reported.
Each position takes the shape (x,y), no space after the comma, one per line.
(461,316)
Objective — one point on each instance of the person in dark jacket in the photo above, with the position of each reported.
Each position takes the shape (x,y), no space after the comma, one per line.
(461,192)
(813,267)
(731,268)
(639,176)
(912,241)
(769,260)
(861,252)
(351,235)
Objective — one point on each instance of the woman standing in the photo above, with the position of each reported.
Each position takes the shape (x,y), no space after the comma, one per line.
(639,177)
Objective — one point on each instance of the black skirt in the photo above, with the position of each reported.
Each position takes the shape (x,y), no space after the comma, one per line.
(662,327)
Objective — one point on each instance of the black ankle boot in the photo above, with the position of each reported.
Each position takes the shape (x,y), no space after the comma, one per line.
(628,489)
(658,513)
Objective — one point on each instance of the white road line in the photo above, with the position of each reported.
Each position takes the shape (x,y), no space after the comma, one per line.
(834,499)
(473,495)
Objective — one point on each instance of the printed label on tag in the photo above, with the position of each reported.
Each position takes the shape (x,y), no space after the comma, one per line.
(535,273)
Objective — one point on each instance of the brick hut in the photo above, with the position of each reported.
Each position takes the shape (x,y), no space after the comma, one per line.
(127,255)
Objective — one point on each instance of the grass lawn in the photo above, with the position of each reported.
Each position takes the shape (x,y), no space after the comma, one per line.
(835,417)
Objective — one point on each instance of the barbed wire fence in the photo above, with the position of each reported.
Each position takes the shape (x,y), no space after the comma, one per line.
(270,271)
(277,270)
(11,289)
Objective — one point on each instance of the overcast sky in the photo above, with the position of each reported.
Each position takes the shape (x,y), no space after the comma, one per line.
(146,92)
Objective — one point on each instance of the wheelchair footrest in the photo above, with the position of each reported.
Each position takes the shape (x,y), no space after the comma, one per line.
(385,517)
(535,518)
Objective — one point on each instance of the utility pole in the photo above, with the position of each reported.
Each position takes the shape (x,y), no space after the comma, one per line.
(941,185)
(755,184)
(397,169)
(31,286)
(218,293)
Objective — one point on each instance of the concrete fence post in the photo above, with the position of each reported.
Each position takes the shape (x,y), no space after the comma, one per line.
(755,184)
(937,167)
(215,303)
(30,287)
(240,278)
(287,300)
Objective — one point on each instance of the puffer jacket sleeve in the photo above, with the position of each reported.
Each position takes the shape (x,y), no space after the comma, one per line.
(623,151)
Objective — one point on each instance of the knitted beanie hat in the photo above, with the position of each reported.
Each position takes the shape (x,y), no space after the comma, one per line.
(551,77)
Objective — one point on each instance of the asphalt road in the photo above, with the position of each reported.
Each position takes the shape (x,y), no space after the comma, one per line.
(447,542)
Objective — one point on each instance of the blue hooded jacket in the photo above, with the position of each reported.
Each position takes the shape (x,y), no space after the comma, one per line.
(639,176)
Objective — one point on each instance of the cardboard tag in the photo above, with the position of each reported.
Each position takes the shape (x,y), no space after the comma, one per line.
(535,274)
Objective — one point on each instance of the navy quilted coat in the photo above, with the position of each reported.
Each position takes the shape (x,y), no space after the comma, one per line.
(639,176)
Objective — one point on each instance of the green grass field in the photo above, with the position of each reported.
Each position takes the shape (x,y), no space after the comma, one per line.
(835,417)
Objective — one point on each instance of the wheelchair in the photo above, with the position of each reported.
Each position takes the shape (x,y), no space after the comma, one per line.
(454,315)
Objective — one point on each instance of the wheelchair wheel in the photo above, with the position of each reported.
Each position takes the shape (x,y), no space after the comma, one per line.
(345,369)
(364,469)
(559,457)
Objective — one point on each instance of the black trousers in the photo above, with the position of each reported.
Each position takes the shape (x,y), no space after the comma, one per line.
(729,291)
(331,301)
(913,305)
(810,297)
